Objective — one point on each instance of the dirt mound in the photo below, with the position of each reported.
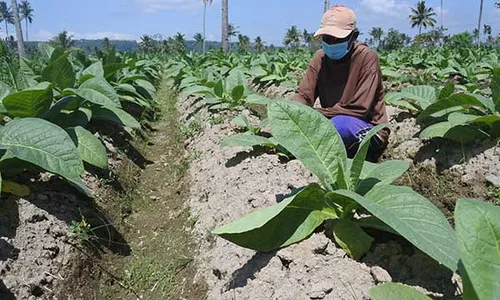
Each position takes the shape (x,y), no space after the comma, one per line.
(228,183)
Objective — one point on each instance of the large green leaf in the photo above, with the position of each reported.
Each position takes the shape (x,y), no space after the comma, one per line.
(90,148)
(359,158)
(94,69)
(110,70)
(310,137)
(29,103)
(425,95)
(66,103)
(280,225)
(245,140)
(351,238)
(414,217)
(115,115)
(60,71)
(495,88)
(379,174)
(219,89)
(396,291)
(46,50)
(43,144)
(478,234)
(237,92)
(67,119)
(98,91)
(452,101)
(452,131)
(147,86)
(5,90)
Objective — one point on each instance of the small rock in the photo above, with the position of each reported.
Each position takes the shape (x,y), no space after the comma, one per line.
(493,180)
(154,198)
(380,275)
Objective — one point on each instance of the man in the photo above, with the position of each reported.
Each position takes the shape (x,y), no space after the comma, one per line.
(346,77)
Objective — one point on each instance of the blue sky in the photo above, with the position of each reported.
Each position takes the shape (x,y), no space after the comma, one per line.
(129,19)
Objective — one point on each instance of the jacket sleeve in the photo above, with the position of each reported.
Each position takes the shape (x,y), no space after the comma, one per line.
(306,93)
(360,104)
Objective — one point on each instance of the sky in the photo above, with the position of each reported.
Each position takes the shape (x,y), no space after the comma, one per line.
(129,19)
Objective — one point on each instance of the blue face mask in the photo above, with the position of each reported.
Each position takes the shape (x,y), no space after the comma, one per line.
(336,51)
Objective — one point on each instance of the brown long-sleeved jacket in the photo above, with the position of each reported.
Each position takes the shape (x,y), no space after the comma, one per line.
(351,86)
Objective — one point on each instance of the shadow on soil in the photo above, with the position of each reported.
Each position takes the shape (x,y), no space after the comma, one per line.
(68,206)
(249,269)
(5,294)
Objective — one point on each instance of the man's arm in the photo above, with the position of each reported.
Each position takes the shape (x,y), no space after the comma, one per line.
(306,92)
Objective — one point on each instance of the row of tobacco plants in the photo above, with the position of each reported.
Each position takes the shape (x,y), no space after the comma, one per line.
(54,104)
(353,194)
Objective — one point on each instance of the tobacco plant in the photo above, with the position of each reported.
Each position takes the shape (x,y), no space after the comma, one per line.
(346,186)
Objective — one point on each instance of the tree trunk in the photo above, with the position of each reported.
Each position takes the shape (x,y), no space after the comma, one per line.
(479,24)
(327,5)
(204,24)
(441,13)
(6,29)
(19,30)
(27,30)
(420,29)
(225,24)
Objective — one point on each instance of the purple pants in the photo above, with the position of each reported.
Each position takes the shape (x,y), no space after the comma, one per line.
(353,131)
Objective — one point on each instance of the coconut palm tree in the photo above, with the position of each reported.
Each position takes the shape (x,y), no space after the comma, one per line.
(199,40)
(179,42)
(63,40)
(225,25)
(26,13)
(205,4)
(479,24)
(376,34)
(292,37)
(258,44)
(422,16)
(441,13)
(231,31)
(327,5)
(6,16)
(307,37)
(243,43)
(19,29)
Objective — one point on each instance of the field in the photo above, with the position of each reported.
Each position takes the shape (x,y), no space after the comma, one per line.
(193,176)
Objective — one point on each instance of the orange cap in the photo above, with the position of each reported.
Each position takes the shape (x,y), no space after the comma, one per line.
(339,21)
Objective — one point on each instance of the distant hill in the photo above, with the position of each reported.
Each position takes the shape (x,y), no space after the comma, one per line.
(128,46)
(91,45)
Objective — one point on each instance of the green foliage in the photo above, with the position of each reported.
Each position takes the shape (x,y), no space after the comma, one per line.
(396,291)
(53,98)
(478,233)
(309,136)
(478,237)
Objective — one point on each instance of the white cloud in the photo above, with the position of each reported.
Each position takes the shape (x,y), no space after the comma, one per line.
(438,11)
(101,35)
(154,6)
(42,35)
(386,7)
(45,35)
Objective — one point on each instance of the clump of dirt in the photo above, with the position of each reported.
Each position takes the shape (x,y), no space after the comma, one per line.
(228,183)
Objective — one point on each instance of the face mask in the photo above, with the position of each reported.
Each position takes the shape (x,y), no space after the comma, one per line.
(336,51)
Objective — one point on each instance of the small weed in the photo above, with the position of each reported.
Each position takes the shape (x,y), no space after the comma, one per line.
(494,192)
(192,129)
(216,119)
(81,230)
